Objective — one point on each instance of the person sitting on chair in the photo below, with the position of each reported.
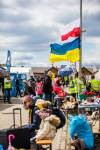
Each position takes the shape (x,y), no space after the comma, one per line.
(34,119)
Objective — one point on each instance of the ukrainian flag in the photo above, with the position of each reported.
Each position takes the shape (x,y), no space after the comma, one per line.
(66,52)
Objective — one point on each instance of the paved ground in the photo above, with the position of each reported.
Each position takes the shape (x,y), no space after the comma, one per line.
(62,140)
(6,116)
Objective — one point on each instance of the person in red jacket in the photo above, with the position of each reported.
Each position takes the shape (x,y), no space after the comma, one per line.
(56,85)
(39,88)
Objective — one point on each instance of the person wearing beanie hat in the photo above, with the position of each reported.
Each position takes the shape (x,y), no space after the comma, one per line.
(41,104)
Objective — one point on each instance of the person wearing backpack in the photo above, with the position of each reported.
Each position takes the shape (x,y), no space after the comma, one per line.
(55,111)
(39,88)
(49,125)
(52,120)
(60,114)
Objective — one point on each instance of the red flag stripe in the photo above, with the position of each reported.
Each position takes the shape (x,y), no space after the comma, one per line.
(74,33)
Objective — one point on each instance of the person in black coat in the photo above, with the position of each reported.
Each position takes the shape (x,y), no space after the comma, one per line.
(47,87)
(18,88)
(28,89)
(32,84)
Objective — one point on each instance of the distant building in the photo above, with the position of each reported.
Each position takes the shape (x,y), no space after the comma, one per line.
(41,71)
(89,71)
(38,71)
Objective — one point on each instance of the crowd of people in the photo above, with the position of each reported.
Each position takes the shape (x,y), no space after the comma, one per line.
(45,98)
(48,86)
(48,96)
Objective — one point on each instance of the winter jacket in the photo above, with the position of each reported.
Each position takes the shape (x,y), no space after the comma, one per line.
(28,90)
(39,88)
(47,86)
(34,119)
(56,86)
(48,128)
(59,113)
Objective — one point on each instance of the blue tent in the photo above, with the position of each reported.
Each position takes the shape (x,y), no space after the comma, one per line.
(66,71)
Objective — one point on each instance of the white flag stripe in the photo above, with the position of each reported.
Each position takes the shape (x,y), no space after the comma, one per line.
(70,26)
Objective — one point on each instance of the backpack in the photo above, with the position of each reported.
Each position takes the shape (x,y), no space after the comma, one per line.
(60,115)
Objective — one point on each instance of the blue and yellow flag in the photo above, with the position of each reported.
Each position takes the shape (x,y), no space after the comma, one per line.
(66,52)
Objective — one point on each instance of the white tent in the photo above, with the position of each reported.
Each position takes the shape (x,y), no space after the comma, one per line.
(20,70)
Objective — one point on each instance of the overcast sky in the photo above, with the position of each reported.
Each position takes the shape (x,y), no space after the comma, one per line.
(27,27)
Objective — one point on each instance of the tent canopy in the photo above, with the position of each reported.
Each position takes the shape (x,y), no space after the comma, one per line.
(3,72)
(66,71)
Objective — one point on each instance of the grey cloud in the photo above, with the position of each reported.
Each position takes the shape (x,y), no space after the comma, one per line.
(63,19)
(93,1)
(13,18)
(11,29)
(30,35)
(2,4)
(37,38)
(28,3)
(92,24)
(66,11)
(50,3)
(25,47)
(24,57)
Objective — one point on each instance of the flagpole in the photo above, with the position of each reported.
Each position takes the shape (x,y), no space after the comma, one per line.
(80,62)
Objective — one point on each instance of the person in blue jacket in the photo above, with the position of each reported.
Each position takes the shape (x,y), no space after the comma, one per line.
(34,119)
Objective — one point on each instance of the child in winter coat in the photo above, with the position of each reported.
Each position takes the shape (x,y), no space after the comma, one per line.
(39,87)
(48,127)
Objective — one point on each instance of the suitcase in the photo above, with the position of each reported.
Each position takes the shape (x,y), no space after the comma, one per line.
(14,118)
(22,135)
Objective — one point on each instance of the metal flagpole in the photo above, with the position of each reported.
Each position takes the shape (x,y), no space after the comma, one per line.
(80,62)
